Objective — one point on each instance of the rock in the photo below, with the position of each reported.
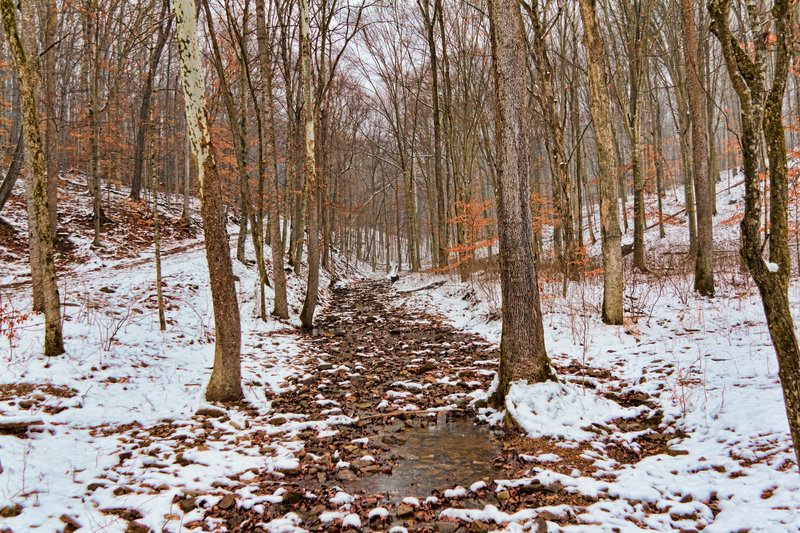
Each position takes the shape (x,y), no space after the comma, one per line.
(547,515)
(11,511)
(360,464)
(210,412)
(534,487)
(404,510)
(277,420)
(345,475)
(478,527)
(94,486)
(541,525)
(187,504)
(291,497)
(70,523)
(554,487)
(227,502)
(122,491)
(445,527)
(136,527)
(288,471)
(107,290)
(123,512)
(324,366)
(503,496)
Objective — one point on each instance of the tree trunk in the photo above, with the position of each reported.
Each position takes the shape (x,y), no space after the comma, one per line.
(310,186)
(225,382)
(522,350)
(49,15)
(606,165)
(761,119)
(143,131)
(13,171)
(162,322)
(36,185)
(280,308)
(703,264)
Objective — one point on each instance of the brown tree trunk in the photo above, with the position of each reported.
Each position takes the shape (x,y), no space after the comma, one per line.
(225,382)
(522,350)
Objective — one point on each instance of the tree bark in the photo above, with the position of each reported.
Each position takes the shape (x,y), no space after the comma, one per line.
(144,109)
(225,382)
(703,264)
(761,120)
(35,181)
(280,308)
(522,350)
(606,165)
(310,187)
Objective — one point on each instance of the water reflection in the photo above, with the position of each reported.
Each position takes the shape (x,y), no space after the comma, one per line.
(450,453)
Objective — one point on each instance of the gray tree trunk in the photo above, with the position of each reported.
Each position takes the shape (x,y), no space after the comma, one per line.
(606,164)
(35,181)
(522,350)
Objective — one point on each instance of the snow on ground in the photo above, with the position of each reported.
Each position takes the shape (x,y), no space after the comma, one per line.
(709,364)
(124,425)
(120,375)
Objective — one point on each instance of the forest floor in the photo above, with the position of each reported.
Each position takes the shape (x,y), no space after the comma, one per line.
(377,420)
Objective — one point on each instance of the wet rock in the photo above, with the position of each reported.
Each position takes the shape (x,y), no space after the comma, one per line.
(404,510)
(227,502)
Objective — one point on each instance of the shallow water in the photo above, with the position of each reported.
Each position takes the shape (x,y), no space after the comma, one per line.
(454,452)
